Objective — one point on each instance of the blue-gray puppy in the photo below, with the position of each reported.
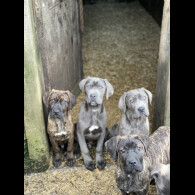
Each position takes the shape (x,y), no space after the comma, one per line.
(161,173)
(92,119)
(134,120)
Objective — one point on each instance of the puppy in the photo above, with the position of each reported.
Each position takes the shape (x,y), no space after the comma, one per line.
(134,105)
(135,154)
(161,173)
(92,119)
(59,126)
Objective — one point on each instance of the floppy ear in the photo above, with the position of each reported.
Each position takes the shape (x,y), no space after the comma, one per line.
(153,173)
(109,89)
(72,98)
(149,94)
(122,103)
(111,146)
(144,139)
(46,97)
(82,84)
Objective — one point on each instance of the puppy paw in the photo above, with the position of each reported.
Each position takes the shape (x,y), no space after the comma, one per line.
(57,162)
(89,145)
(70,162)
(101,164)
(90,165)
(77,155)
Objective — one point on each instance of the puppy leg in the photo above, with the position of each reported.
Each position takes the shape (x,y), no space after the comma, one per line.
(57,160)
(77,150)
(70,149)
(101,163)
(89,164)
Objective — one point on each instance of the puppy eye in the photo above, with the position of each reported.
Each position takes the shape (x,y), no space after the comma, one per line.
(52,101)
(100,87)
(63,101)
(122,150)
(89,85)
(139,148)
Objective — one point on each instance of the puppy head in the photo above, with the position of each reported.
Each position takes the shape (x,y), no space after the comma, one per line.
(161,173)
(129,150)
(59,102)
(95,89)
(136,102)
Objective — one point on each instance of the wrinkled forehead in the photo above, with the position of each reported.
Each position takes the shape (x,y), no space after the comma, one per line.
(136,93)
(59,95)
(96,81)
(129,142)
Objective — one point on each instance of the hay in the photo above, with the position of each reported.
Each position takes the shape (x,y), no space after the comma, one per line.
(120,43)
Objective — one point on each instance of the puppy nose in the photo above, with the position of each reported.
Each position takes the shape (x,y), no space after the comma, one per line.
(133,163)
(92,96)
(141,109)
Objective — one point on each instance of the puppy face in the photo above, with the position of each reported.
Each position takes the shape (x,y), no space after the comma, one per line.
(136,101)
(95,89)
(60,102)
(130,151)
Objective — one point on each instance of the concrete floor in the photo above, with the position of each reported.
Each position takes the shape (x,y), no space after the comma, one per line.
(120,43)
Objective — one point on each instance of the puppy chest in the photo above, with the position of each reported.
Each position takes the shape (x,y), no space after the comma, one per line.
(60,131)
(93,131)
(61,136)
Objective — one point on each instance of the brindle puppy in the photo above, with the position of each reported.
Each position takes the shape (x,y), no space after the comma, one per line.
(60,127)
(135,154)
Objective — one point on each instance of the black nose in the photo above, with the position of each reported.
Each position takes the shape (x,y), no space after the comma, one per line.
(141,109)
(92,96)
(133,163)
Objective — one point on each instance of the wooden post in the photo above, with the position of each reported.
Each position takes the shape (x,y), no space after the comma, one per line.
(35,132)
(162,98)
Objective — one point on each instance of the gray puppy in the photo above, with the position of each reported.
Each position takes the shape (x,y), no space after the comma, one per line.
(135,154)
(161,173)
(92,119)
(134,105)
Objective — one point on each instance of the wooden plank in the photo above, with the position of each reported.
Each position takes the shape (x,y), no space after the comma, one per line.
(162,101)
(58,34)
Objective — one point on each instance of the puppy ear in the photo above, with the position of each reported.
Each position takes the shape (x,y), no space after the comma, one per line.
(109,89)
(111,146)
(82,84)
(154,175)
(72,98)
(144,139)
(149,94)
(46,97)
(122,103)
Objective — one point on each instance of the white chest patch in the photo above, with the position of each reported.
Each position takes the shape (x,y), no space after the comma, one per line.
(93,127)
(60,133)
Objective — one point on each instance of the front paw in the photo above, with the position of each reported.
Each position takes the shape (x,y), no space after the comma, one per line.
(101,164)
(77,154)
(57,162)
(90,165)
(70,162)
